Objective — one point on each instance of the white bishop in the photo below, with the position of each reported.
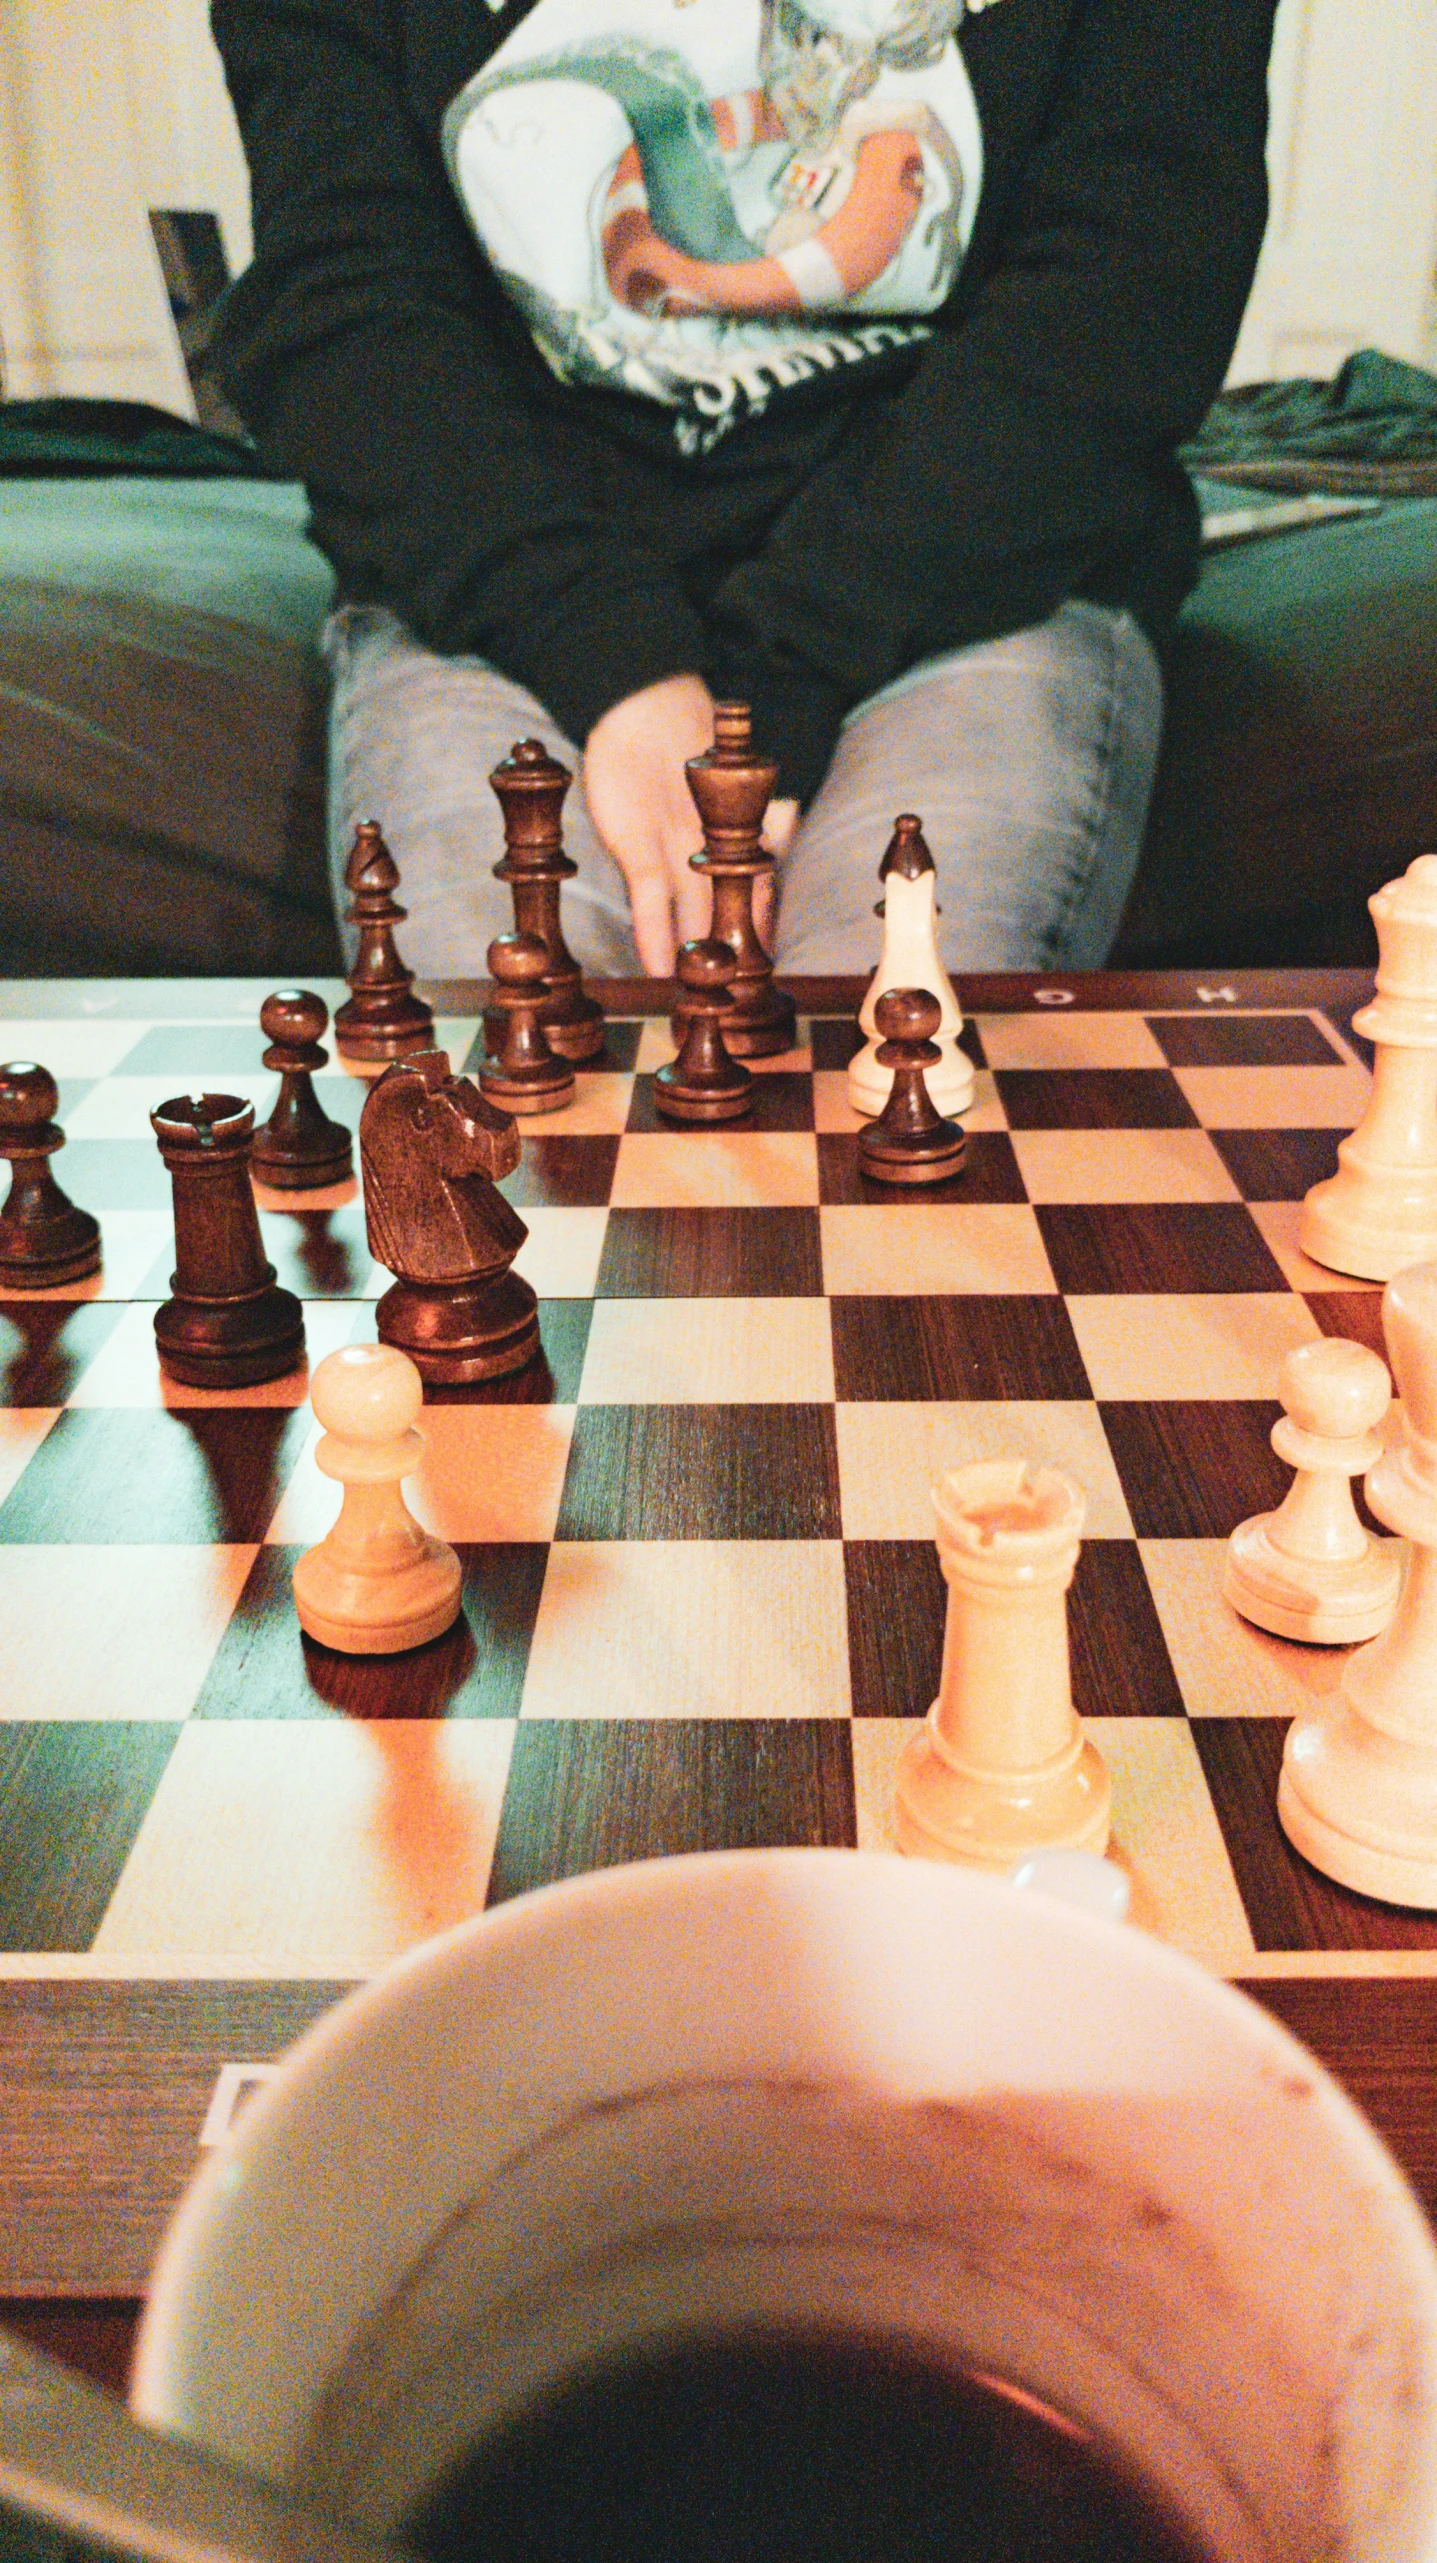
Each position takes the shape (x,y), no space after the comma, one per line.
(910,960)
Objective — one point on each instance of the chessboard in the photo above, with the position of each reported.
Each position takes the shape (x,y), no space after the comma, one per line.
(702,1602)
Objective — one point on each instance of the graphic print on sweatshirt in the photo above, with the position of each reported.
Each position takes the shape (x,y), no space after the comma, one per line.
(708,201)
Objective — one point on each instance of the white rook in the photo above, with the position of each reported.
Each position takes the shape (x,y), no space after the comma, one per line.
(1378,1213)
(1001,1766)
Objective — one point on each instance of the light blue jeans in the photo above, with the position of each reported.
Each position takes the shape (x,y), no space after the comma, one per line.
(1029,760)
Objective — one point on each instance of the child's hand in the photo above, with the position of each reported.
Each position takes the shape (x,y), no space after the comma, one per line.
(639,801)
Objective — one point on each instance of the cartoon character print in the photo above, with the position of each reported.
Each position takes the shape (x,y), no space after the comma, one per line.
(686,234)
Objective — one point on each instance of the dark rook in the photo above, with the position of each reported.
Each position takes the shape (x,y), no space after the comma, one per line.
(227,1324)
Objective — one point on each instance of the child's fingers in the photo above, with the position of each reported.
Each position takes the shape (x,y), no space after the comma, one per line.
(650,898)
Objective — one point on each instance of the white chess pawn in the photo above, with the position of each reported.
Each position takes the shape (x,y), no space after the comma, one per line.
(1378,1213)
(378,1583)
(1309,1569)
(1358,1794)
(910,960)
(1001,1766)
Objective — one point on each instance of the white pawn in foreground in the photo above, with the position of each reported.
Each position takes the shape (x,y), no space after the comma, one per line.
(910,960)
(1378,1213)
(1001,1766)
(378,1583)
(1310,1570)
(1358,1793)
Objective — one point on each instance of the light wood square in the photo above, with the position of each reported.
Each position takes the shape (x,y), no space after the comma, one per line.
(126,1369)
(1276,1098)
(831,1107)
(891,1457)
(311,1848)
(691,1629)
(454,1034)
(120,1107)
(560,1256)
(1226,1668)
(22,1430)
(112,1633)
(1165,1836)
(926,1250)
(657,1047)
(1121,1165)
(1279,1222)
(487,1473)
(73,1047)
(1198,1344)
(131,1243)
(699,1352)
(715,1170)
(1060,1037)
(600,1107)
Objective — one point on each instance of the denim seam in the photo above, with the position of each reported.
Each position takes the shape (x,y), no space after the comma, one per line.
(1063,928)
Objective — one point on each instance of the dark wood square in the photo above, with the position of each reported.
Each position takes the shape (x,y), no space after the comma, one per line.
(560,1172)
(46,1343)
(1175,1246)
(1381,2042)
(73,1795)
(122,1475)
(989,1172)
(897,1608)
(1094,1099)
(834,1040)
(620,1050)
(265,1666)
(1276,1165)
(319,1254)
(113,1174)
(1354,1313)
(1194,1468)
(711,1254)
(1288,1904)
(701,1473)
(591,1793)
(553,1380)
(782,1100)
(1243,1041)
(961,1346)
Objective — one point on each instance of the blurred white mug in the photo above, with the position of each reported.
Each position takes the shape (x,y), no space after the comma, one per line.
(822,2088)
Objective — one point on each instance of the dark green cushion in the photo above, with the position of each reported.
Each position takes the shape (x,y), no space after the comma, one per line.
(1299,766)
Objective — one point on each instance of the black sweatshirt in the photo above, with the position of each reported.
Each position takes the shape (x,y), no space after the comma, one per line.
(788,341)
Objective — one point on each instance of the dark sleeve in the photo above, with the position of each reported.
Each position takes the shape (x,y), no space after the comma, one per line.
(360,350)
(1028,449)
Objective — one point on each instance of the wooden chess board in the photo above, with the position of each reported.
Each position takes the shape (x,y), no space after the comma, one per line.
(702,1603)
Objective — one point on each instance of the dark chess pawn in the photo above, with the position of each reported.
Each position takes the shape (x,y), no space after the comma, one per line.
(228,1324)
(910,1143)
(526,1076)
(732,788)
(383,1018)
(299,1148)
(432,1152)
(44,1239)
(530,786)
(704,1083)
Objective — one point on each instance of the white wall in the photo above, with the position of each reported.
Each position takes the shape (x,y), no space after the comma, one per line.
(110,106)
(1350,258)
(106,108)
